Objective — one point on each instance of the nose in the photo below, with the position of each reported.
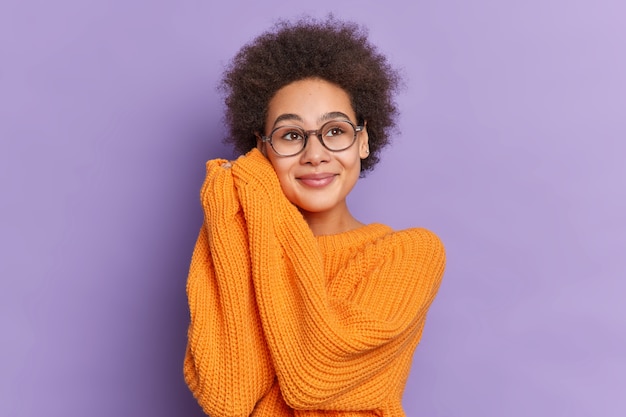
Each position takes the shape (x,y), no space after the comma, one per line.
(314,152)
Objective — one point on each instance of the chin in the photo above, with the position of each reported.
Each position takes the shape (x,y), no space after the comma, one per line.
(311,208)
(314,207)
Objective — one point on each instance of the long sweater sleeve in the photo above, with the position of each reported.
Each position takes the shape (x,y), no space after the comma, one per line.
(227,364)
(334,347)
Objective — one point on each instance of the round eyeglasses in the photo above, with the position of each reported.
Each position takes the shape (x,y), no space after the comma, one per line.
(335,135)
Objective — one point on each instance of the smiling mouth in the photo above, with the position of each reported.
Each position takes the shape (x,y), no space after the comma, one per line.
(317,180)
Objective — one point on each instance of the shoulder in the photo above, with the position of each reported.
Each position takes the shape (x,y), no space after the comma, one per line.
(408,263)
(417,238)
(416,249)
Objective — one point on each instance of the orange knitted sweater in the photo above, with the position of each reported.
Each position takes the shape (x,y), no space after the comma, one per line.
(284,323)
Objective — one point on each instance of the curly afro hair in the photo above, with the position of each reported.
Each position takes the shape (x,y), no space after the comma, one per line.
(336,51)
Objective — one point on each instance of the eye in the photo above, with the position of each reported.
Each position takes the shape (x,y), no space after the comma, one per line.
(334,131)
(288,134)
(292,135)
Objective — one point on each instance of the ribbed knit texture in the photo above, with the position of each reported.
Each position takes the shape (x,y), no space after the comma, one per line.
(284,323)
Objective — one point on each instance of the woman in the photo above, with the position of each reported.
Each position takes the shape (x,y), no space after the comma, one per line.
(297,308)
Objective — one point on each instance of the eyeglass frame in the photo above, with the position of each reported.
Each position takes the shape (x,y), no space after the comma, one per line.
(307,133)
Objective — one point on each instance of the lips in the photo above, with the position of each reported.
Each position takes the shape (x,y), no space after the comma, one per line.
(317,180)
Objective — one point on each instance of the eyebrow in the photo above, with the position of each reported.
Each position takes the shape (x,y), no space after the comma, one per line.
(325,117)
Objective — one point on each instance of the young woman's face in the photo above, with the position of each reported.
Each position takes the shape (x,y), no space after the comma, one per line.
(316,180)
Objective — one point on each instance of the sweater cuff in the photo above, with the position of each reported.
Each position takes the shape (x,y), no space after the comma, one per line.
(256,170)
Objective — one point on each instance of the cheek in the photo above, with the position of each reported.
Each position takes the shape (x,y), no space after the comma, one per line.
(353,164)
(282,170)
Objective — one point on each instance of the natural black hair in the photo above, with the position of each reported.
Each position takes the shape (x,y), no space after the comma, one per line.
(333,50)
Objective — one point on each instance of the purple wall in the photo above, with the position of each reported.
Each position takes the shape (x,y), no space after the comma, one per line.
(512,149)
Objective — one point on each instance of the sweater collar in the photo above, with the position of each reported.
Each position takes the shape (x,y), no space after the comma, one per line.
(352,238)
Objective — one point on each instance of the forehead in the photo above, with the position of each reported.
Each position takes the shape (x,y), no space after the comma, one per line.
(309,101)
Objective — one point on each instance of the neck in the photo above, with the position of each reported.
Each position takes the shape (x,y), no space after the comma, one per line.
(330,223)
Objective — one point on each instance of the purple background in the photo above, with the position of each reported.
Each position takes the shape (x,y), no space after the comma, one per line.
(512,150)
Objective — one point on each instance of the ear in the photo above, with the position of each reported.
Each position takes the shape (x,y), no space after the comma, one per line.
(364,146)
(260,145)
